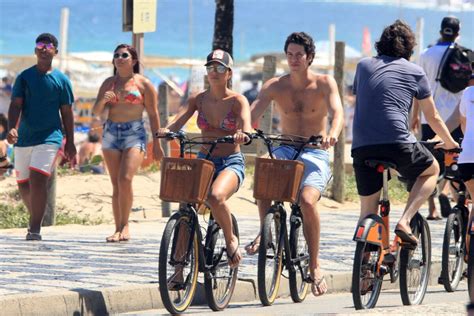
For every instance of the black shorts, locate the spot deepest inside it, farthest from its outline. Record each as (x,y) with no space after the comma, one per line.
(411,161)
(467,171)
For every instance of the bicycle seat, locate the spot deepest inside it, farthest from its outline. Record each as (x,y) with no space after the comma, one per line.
(374,163)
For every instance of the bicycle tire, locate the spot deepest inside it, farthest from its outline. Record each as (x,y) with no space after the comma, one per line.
(415,264)
(470,267)
(452,257)
(177,297)
(365,273)
(271,253)
(300,270)
(218,297)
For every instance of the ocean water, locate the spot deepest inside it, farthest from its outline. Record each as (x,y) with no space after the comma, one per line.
(259,26)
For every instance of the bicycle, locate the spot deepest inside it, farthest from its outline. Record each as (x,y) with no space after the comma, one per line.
(375,257)
(182,253)
(279,181)
(454,240)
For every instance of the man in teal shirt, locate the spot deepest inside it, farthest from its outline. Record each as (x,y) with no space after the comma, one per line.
(43,96)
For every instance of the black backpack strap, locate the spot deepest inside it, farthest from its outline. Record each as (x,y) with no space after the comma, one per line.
(443,60)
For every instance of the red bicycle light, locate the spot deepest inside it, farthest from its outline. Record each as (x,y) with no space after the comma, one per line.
(360,231)
(380,168)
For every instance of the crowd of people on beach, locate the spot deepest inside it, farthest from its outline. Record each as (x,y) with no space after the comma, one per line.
(40,125)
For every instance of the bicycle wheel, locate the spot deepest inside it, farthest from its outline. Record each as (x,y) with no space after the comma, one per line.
(270,256)
(219,281)
(178,264)
(452,259)
(415,264)
(366,280)
(470,268)
(300,257)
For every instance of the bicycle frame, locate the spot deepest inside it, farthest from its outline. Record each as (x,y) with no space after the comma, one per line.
(373,229)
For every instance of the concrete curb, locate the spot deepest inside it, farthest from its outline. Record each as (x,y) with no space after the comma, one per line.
(144,297)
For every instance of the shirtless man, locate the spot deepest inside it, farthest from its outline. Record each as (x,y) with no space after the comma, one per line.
(304,101)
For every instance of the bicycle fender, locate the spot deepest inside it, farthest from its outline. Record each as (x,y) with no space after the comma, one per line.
(370,230)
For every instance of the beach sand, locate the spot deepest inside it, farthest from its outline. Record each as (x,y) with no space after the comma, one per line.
(90,195)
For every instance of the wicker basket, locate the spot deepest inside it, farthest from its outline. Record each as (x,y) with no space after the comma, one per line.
(185,180)
(277,180)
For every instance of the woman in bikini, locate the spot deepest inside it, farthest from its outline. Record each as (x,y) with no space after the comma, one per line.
(221,112)
(126,95)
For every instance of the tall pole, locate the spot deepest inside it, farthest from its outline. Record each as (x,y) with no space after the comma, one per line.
(139,44)
(63,28)
(338,166)
(265,123)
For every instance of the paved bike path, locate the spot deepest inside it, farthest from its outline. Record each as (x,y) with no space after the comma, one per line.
(75,268)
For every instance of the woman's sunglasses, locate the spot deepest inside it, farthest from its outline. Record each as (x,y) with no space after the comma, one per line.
(41,45)
(217,68)
(122,55)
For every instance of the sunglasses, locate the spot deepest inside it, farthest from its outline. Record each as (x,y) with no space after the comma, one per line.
(122,55)
(41,45)
(217,68)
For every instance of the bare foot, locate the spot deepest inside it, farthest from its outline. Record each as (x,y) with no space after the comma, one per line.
(233,253)
(318,285)
(253,246)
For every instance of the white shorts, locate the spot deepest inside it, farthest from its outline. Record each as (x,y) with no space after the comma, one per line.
(40,158)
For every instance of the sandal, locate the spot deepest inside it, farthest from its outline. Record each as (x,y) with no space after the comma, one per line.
(406,237)
(253,247)
(33,236)
(113,238)
(124,237)
(231,257)
(315,286)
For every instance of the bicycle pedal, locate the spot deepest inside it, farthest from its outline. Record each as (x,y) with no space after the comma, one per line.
(383,269)
(389,259)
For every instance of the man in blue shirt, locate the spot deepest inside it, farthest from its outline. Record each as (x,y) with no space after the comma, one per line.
(43,97)
(385,87)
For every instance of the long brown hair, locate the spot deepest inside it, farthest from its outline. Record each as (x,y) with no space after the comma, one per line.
(133,53)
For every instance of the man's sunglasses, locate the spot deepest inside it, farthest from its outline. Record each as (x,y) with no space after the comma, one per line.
(41,45)
(122,55)
(218,68)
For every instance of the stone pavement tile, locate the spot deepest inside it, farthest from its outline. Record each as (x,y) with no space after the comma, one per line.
(74,256)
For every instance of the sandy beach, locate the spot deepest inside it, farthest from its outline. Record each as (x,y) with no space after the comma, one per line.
(90,195)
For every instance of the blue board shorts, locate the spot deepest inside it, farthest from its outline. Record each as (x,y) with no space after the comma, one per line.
(317,170)
(234,162)
(123,135)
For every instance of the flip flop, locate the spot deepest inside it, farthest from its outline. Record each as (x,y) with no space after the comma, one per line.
(33,236)
(230,257)
(113,238)
(433,218)
(315,284)
(406,237)
(252,247)
(124,237)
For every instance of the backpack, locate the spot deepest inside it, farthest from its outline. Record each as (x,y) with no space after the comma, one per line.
(455,68)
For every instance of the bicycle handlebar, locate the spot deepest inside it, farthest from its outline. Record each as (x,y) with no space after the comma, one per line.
(269,139)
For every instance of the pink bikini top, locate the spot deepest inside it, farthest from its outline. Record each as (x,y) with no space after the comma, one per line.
(229,123)
(130,94)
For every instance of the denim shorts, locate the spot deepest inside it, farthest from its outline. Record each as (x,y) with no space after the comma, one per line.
(317,170)
(234,162)
(124,135)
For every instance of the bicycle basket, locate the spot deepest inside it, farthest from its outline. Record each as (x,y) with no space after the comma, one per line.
(277,180)
(185,179)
